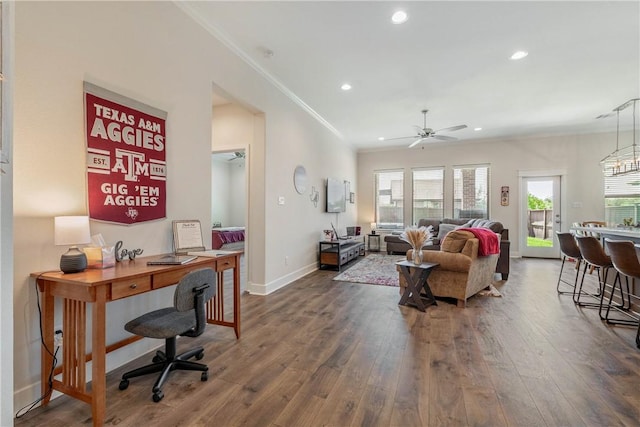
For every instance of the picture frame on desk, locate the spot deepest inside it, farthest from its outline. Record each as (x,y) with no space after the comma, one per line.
(187,236)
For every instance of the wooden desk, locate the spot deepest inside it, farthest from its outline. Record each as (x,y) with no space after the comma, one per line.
(98,287)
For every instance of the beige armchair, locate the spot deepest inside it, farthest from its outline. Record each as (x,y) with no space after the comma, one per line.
(461,272)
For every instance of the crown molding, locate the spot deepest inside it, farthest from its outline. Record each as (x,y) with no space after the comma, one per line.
(229,44)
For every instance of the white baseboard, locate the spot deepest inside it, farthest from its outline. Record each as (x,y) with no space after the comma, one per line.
(281,282)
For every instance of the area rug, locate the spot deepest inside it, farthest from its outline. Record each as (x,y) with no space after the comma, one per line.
(374,269)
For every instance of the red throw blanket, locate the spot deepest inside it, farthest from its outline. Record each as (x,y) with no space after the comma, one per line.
(489,242)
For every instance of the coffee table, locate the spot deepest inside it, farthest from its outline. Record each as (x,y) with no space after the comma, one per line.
(416,277)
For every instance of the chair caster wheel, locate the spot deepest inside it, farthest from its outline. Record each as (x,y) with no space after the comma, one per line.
(123,384)
(200,355)
(156,359)
(157,396)
(204,376)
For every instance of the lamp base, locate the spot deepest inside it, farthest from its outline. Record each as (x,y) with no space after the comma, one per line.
(73,261)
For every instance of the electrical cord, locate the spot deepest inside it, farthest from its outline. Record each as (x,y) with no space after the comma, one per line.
(27,408)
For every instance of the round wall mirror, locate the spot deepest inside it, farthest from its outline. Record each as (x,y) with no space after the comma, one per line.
(300,179)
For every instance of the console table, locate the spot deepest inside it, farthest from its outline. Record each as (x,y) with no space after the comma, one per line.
(335,253)
(98,287)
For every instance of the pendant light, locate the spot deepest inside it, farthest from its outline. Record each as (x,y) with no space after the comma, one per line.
(623,161)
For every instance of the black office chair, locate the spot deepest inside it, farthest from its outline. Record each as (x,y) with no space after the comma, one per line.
(186,318)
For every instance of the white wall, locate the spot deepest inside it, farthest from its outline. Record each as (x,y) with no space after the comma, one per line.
(578,155)
(232,130)
(228,192)
(220,190)
(159,57)
(237,199)
(6,222)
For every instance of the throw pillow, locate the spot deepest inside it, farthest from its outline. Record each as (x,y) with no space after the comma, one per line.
(455,241)
(445,229)
(471,223)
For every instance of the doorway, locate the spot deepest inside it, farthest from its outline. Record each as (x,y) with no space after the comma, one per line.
(228,189)
(229,204)
(541,216)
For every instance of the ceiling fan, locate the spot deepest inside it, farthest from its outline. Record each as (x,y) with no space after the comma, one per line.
(425,132)
(238,155)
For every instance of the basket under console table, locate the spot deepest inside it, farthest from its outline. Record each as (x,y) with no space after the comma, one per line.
(336,253)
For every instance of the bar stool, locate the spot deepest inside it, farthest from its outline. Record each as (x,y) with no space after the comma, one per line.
(569,249)
(595,258)
(595,225)
(625,261)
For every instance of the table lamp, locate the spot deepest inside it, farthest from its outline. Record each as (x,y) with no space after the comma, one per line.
(373,228)
(72,230)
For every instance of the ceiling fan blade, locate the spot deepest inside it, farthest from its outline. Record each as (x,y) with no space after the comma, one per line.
(452,128)
(416,142)
(401,137)
(444,138)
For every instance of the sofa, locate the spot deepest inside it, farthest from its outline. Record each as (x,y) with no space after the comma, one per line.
(461,272)
(443,226)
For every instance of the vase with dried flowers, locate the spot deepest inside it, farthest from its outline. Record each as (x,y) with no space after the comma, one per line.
(416,237)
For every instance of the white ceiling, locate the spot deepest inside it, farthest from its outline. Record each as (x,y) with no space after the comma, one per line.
(450,57)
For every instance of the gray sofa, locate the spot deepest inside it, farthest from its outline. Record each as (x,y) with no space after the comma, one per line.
(442,226)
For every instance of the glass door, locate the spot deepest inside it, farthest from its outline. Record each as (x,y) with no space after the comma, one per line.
(540,207)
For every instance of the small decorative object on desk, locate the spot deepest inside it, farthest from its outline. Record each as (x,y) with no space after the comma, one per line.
(416,237)
(121,254)
(99,254)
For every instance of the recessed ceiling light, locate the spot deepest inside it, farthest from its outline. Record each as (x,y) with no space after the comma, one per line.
(345,86)
(519,55)
(477,129)
(381,138)
(399,17)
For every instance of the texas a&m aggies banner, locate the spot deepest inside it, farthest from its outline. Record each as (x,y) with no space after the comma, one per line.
(126,158)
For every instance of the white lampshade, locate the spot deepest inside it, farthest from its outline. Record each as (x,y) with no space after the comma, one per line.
(72,230)
(373,225)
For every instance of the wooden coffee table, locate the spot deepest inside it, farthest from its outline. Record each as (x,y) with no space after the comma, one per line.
(416,277)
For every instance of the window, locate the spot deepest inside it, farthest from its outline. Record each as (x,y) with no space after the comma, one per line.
(428,194)
(621,198)
(471,191)
(389,199)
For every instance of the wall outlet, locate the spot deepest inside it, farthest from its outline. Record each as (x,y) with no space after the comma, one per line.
(286,260)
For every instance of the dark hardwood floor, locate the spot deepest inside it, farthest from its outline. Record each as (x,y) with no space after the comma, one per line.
(327,353)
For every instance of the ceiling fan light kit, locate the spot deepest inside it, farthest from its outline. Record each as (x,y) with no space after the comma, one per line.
(623,161)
